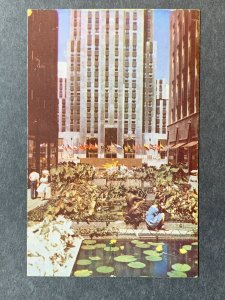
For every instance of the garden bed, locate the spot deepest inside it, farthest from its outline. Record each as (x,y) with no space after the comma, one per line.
(77,198)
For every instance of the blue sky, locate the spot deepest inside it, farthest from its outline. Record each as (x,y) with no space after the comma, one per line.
(64,33)
(161,36)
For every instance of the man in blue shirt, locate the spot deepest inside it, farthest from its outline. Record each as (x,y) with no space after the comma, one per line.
(154,219)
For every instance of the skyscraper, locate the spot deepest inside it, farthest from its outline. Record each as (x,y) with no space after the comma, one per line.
(111,84)
(184,87)
(62,85)
(162,107)
(42,89)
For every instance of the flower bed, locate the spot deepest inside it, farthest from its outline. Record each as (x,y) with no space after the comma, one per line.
(76,197)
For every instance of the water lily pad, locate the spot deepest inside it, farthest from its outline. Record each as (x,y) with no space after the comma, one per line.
(88,247)
(83,273)
(125,258)
(137,242)
(136,265)
(112,249)
(98,246)
(153,258)
(181,267)
(151,252)
(89,242)
(143,246)
(187,247)
(94,257)
(177,274)
(83,262)
(105,269)
(194,244)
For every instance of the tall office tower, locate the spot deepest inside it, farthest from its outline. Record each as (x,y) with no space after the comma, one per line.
(62,85)
(110,76)
(42,89)
(184,86)
(162,107)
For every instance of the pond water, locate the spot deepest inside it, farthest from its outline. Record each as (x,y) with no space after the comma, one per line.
(137,258)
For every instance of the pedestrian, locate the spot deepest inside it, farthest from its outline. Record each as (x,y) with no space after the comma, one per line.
(193,180)
(34,182)
(43,186)
(154,219)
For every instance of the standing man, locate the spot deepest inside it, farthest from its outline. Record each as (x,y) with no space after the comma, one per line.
(34,182)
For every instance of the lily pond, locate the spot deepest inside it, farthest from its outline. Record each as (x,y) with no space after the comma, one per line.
(137,258)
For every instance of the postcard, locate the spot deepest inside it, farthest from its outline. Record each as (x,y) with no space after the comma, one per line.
(113,130)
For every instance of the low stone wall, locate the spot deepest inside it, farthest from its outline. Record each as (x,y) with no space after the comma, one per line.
(130,182)
(99,182)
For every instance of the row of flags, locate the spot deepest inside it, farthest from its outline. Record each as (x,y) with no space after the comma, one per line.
(81,147)
(112,148)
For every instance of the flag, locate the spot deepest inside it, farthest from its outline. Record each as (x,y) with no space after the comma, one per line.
(82,147)
(156,147)
(146,147)
(118,147)
(151,147)
(69,147)
(112,148)
(75,147)
(161,146)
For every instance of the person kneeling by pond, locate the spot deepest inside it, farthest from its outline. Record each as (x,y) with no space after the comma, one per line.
(154,219)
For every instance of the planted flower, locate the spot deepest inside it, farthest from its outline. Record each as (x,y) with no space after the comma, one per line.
(159,248)
(182,251)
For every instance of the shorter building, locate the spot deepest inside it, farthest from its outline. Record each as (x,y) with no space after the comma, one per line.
(184,88)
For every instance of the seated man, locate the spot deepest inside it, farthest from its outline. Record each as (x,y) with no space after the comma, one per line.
(154,219)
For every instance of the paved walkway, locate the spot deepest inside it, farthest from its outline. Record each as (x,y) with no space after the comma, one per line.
(172,230)
(33,203)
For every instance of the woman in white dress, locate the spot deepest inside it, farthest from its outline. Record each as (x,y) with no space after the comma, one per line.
(43,186)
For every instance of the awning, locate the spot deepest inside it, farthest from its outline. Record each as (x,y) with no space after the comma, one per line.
(191,144)
(178,146)
(166,148)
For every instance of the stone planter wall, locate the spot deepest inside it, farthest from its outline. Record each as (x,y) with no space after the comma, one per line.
(133,183)
(99,182)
